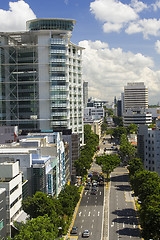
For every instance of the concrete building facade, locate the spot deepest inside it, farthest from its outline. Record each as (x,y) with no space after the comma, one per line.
(148,146)
(11,180)
(135,96)
(3,213)
(41,77)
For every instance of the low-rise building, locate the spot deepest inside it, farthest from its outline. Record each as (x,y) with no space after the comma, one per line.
(11,180)
(3,213)
(137,117)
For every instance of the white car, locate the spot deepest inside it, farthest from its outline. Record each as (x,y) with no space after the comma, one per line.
(85,233)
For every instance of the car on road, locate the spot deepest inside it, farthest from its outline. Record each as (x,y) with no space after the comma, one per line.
(74,230)
(93,192)
(85,233)
(87,187)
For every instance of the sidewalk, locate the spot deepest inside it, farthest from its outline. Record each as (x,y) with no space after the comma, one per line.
(105,221)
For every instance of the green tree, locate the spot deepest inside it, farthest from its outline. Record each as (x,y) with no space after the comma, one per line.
(108,163)
(118,121)
(40,228)
(150,217)
(145,183)
(118,131)
(132,128)
(135,165)
(41,204)
(104,127)
(69,198)
(127,151)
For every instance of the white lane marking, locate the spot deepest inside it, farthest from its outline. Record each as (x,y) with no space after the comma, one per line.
(89,214)
(123,225)
(98,214)
(80,214)
(99,193)
(87,201)
(81,226)
(112,224)
(93,220)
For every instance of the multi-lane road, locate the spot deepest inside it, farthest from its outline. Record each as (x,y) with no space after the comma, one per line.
(121,218)
(90,214)
(123,221)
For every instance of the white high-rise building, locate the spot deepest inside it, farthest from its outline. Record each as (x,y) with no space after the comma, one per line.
(41,77)
(135,96)
(135,104)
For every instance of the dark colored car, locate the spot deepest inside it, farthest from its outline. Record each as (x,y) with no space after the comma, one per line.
(74,230)
(87,187)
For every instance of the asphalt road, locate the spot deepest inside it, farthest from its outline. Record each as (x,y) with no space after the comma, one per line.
(123,222)
(90,214)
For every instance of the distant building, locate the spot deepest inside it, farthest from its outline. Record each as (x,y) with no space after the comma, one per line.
(95,126)
(135,96)
(136,117)
(119,108)
(93,102)
(8,134)
(135,104)
(85,93)
(93,113)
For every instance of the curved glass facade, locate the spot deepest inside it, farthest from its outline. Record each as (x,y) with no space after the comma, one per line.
(51,24)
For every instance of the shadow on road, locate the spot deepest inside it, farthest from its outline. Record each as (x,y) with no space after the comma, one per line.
(132,232)
(120,178)
(125,188)
(127,217)
(127,212)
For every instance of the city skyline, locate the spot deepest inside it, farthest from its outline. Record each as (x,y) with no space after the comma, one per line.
(121,39)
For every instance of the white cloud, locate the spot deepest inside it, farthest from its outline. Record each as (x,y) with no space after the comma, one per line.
(156,5)
(108,70)
(112,12)
(116,16)
(157,46)
(146,26)
(138,6)
(15,18)
(112,27)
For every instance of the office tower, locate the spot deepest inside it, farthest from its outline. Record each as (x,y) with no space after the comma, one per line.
(135,104)
(135,96)
(41,77)
(85,93)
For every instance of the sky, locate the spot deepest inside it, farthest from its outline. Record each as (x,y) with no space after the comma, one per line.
(121,39)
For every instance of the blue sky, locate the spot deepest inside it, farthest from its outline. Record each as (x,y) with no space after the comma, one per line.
(121,39)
